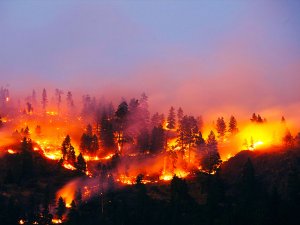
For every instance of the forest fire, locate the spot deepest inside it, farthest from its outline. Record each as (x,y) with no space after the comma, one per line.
(122,149)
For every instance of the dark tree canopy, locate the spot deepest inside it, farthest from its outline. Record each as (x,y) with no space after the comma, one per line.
(171,120)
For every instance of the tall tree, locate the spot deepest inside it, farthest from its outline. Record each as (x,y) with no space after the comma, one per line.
(171,120)
(157,139)
(70,101)
(71,157)
(157,120)
(66,147)
(121,123)
(80,164)
(143,140)
(211,160)
(144,110)
(179,115)
(221,127)
(288,139)
(44,99)
(61,208)
(107,132)
(58,94)
(188,130)
(232,126)
(33,98)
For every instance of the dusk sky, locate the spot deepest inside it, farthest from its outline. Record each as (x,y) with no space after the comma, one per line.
(201,55)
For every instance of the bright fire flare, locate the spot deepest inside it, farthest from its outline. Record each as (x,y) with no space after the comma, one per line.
(10,151)
(56,221)
(69,166)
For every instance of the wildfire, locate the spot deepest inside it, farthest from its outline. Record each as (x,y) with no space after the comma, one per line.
(109,156)
(67,193)
(126,180)
(91,158)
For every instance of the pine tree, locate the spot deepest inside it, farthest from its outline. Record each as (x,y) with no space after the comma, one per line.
(144,110)
(288,139)
(70,101)
(143,140)
(71,157)
(254,118)
(171,120)
(107,132)
(58,94)
(73,214)
(44,99)
(211,159)
(61,208)
(221,127)
(66,146)
(80,164)
(157,139)
(179,115)
(232,127)
(188,130)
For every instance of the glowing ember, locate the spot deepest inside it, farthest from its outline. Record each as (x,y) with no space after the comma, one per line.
(52,113)
(56,221)
(126,180)
(21,222)
(10,151)
(166,177)
(108,157)
(69,166)
(169,176)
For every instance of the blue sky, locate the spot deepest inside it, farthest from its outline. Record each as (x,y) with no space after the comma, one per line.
(178,52)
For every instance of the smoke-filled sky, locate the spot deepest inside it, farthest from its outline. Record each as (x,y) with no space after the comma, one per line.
(202,55)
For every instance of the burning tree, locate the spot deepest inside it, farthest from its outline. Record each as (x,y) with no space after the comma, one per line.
(187,132)
(106,132)
(232,126)
(221,127)
(80,164)
(66,147)
(211,159)
(171,120)
(157,139)
(89,141)
(121,122)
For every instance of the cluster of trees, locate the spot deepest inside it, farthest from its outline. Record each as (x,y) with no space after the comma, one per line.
(257,118)
(69,156)
(89,141)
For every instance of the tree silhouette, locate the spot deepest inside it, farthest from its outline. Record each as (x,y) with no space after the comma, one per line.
(221,127)
(232,127)
(66,147)
(80,164)
(157,139)
(171,120)
(44,99)
(211,159)
(61,208)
